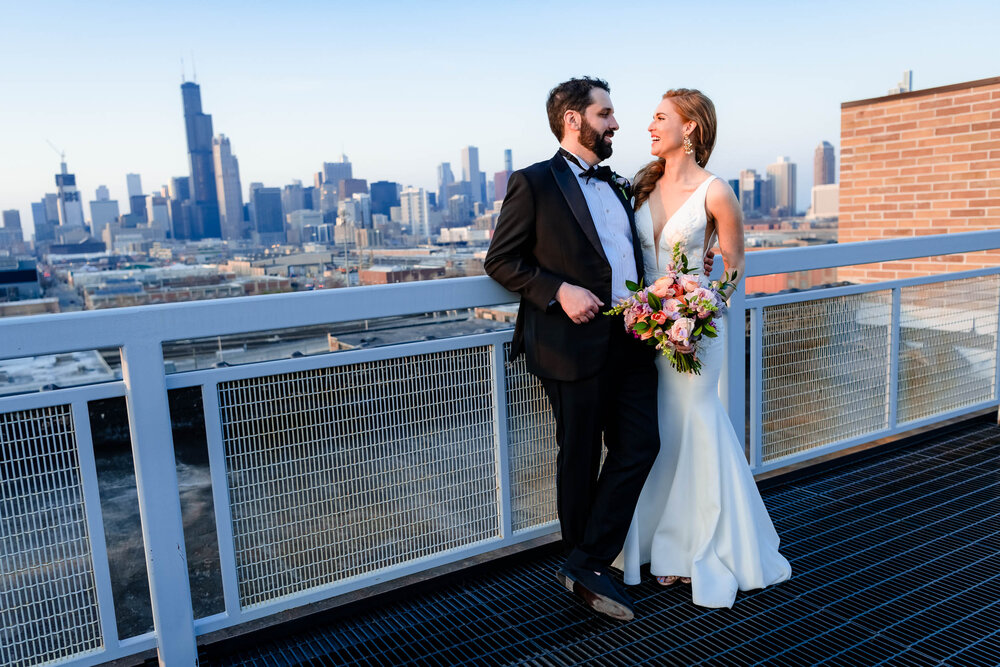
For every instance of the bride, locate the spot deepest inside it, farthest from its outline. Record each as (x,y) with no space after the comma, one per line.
(700,518)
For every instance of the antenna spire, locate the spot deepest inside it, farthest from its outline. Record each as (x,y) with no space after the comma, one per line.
(183,77)
(194,69)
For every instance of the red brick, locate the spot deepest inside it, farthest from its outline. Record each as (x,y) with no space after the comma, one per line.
(972,97)
(935,103)
(951,110)
(953,129)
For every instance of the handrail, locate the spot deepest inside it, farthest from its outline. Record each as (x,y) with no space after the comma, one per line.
(786,260)
(110,328)
(21,337)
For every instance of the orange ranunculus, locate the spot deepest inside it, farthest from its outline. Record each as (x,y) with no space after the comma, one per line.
(659,317)
(661,288)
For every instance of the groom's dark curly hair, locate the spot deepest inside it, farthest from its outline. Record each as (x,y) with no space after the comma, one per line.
(572,95)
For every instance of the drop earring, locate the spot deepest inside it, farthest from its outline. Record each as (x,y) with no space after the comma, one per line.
(687,145)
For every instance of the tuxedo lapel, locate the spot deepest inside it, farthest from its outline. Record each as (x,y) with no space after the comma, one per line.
(570,188)
(636,246)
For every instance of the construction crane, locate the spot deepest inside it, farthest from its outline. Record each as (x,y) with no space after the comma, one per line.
(62,154)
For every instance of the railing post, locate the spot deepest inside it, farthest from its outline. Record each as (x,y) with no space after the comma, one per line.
(756,388)
(734,375)
(159,502)
(996,368)
(895,325)
(502,440)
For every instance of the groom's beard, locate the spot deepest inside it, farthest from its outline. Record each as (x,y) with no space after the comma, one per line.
(590,139)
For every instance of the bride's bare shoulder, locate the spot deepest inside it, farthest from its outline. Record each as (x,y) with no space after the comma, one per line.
(720,196)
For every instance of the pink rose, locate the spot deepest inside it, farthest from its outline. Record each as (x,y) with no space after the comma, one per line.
(672,308)
(704,294)
(680,331)
(661,287)
(689,282)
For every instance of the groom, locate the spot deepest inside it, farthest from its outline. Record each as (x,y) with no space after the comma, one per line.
(566,242)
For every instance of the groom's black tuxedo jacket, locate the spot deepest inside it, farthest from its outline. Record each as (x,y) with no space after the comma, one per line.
(546,236)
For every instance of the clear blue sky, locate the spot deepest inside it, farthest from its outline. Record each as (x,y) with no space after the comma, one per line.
(403,86)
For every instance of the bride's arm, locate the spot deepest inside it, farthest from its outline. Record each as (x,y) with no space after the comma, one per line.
(725,209)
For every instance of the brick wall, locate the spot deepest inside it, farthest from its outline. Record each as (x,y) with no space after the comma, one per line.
(925,162)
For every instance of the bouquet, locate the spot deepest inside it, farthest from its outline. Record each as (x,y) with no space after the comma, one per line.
(679,309)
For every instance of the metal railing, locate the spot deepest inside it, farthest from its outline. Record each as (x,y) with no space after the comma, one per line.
(334,472)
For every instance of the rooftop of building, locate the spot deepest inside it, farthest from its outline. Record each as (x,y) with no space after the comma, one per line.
(894,557)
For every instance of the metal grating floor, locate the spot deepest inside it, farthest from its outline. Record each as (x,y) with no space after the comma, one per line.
(896,561)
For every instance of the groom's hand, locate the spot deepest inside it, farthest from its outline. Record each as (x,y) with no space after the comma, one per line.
(708,262)
(579,303)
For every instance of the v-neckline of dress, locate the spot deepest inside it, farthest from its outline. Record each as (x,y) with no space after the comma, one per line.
(658,236)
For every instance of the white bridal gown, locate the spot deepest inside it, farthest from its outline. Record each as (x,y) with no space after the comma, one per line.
(700,514)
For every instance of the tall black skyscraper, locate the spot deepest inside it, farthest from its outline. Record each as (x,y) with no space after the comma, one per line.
(205,208)
(385,195)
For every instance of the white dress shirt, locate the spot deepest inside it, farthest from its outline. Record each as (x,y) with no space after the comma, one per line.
(611,222)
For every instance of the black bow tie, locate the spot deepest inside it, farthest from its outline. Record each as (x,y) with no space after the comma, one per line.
(602,173)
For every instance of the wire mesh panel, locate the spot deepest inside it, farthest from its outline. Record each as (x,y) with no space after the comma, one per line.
(825,371)
(531,447)
(948,346)
(340,472)
(48,598)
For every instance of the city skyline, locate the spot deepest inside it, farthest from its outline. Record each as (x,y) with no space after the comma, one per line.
(399,117)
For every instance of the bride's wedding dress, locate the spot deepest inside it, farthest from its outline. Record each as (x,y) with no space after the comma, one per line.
(700,514)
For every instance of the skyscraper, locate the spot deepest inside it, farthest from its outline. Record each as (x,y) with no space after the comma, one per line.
(134,184)
(293,198)
(227,185)
(823,165)
(508,160)
(385,195)
(348,187)
(415,211)
(136,200)
(268,220)
(43,228)
(103,211)
(500,184)
(754,193)
(445,178)
(70,206)
(335,172)
(12,219)
(158,213)
(198,127)
(905,84)
(783,181)
(470,172)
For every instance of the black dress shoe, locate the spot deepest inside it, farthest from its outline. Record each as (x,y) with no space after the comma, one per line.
(598,591)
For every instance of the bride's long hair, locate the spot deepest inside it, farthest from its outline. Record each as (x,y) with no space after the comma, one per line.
(691,105)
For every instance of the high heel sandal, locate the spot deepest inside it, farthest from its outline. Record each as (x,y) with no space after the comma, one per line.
(672,579)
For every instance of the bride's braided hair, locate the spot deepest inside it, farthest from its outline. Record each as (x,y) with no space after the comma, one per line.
(691,105)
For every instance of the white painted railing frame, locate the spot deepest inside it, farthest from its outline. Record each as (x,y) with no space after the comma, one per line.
(769,262)
(140,332)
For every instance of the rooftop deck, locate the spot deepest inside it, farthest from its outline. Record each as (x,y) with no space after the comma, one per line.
(895,559)
(321,478)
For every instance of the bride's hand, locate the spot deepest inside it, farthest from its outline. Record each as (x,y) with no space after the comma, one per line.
(684,349)
(708,262)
